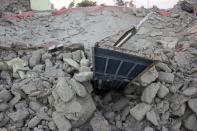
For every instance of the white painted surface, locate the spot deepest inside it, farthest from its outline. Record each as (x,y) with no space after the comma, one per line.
(164,4)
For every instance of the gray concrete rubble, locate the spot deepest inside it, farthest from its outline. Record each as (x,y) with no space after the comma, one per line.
(150,92)
(54,90)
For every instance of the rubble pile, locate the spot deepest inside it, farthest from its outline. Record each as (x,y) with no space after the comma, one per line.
(45,91)
(42,90)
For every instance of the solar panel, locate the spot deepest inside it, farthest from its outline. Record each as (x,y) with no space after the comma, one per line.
(114,69)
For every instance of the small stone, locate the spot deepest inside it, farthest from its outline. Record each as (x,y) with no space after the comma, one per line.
(166,77)
(19,115)
(72,63)
(151,116)
(84,69)
(98,123)
(3,129)
(3,106)
(83,76)
(149,76)
(150,92)
(76,55)
(148,129)
(168,42)
(64,90)
(3,66)
(163,91)
(109,115)
(180,111)
(164,67)
(5,95)
(181,60)
(190,91)
(175,124)
(164,129)
(35,106)
(61,122)
(35,58)
(4,119)
(46,56)
(120,104)
(79,88)
(38,68)
(139,111)
(193,105)
(191,123)
(51,125)
(84,62)
(34,122)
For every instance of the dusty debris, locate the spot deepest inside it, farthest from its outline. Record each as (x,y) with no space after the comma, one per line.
(193,105)
(61,122)
(166,77)
(139,111)
(151,116)
(150,92)
(149,76)
(43,89)
(98,123)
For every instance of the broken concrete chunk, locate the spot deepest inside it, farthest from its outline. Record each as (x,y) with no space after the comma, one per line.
(180,111)
(4,119)
(34,122)
(5,95)
(3,129)
(181,60)
(176,101)
(38,68)
(151,116)
(79,88)
(64,90)
(139,111)
(76,55)
(175,124)
(166,77)
(191,123)
(98,123)
(83,76)
(150,92)
(17,64)
(163,91)
(120,104)
(35,58)
(72,63)
(61,122)
(168,42)
(164,67)
(35,106)
(148,129)
(190,91)
(46,56)
(84,69)
(84,62)
(193,105)
(3,106)
(149,76)
(51,125)
(19,115)
(79,109)
(164,129)
(3,66)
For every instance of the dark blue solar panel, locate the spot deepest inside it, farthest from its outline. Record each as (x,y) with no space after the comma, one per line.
(114,70)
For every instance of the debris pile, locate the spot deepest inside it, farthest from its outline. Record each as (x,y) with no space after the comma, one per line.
(41,87)
(45,90)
